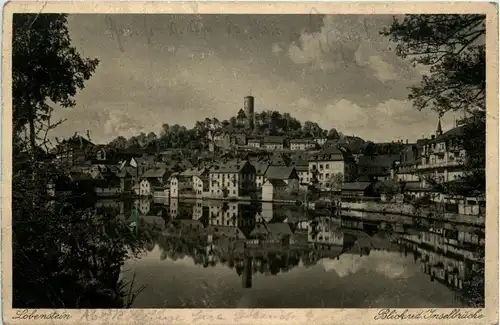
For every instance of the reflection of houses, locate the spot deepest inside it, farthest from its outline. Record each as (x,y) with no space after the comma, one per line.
(174,208)
(449,256)
(325,231)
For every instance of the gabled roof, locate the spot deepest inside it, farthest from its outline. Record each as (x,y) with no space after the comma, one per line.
(276,182)
(279,228)
(154,173)
(355,186)
(335,155)
(453,133)
(193,172)
(279,172)
(310,141)
(274,139)
(234,166)
(385,161)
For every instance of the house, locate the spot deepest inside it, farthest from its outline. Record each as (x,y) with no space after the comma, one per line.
(60,186)
(254,142)
(406,168)
(201,185)
(260,172)
(274,189)
(329,167)
(180,184)
(362,189)
(273,143)
(443,156)
(287,174)
(128,177)
(153,181)
(151,187)
(235,178)
(321,141)
(196,175)
(302,144)
(377,167)
(74,151)
(107,186)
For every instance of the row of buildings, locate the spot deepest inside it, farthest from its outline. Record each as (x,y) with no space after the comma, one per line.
(287,175)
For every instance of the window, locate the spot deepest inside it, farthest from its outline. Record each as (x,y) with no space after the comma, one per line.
(234,192)
(321,167)
(327,166)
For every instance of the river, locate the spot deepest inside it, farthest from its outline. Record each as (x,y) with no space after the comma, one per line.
(241,255)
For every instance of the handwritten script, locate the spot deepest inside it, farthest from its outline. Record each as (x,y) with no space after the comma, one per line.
(395,314)
(26,314)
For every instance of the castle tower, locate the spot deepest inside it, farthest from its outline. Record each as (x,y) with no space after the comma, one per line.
(249,111)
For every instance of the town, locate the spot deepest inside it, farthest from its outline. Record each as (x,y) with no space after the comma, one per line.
(334,170)
(248,161)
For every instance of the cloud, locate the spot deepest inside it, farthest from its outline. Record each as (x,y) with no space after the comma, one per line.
(350,42)
(276,49)
(120,123)
(387,264)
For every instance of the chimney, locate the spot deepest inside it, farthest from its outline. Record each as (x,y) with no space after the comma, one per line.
(406,141)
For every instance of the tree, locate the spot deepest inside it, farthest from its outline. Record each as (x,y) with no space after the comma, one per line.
(44,41)
(119,143)
(65,255)
(333,134)
(453,47)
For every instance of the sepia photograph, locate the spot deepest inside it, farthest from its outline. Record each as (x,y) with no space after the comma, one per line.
(230,160)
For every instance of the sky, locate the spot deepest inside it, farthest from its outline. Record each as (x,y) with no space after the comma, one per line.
(336,70)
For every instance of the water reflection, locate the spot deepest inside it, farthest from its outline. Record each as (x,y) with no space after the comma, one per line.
(255,240)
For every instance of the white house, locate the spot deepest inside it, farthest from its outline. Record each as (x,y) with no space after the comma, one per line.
(147,187)
(179,184)
(325,166)
(443,156)
(273,189)
(302,144)
(232,179)
(273,142)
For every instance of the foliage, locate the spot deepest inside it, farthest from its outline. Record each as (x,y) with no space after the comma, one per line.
(64,254)
(453,47)
(44,66)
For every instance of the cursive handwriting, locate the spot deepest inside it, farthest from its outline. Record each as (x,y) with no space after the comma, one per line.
(263,315)
(394,314)
(35,314)
(204,316)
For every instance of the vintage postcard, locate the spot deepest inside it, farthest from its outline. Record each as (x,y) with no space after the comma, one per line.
(224,163)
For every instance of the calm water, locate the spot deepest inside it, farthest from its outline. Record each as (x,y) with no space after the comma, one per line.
(223,255)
